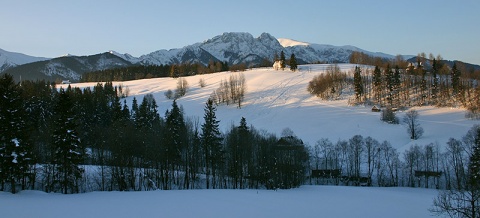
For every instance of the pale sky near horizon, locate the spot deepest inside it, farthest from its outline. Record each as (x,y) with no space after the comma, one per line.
(51,28)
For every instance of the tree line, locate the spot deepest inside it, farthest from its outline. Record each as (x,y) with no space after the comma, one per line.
(394,87)
(137,72)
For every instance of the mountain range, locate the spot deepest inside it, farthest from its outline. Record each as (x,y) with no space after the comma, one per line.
(230,47)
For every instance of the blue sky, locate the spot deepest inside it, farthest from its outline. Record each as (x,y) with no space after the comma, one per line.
(51,28)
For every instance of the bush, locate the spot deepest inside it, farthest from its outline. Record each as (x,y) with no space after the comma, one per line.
(169,94)
(182,86)
(388,116)
(201,83)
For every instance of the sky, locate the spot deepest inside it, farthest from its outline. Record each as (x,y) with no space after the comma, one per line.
(51,28)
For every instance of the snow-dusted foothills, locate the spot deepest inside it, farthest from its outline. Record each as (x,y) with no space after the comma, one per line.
(275,100)
(305,202)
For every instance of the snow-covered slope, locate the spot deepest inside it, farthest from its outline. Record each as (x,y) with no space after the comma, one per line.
(12,59)
(290,42)
(126,56)
(305,202)
(279,99)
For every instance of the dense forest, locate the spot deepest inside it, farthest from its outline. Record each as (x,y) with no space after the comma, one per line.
(72,140)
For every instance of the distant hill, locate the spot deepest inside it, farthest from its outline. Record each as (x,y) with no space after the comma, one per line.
(13,59)
(67,67)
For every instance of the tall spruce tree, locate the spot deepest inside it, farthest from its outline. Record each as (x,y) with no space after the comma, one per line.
(358,83)
(68,151)
(455,77)
(293,63)
(474,166)
(15,150)
(435,81)
(174,142)
(212,143)
(282,60)
(377,83)
(390,81)
(396,85)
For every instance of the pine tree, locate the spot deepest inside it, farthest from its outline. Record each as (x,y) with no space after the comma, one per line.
(455,77)
(474,166)
(389,77)
(134,110)
(435,81)
(15,150)
(282,60)
(174,140)
(275,57)
(68,151)
(358,83)
(396,85)
(293,63)
(377,83)
(174,71)
(211,141)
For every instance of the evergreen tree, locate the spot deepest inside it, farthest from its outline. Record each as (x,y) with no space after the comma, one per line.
(134,110)
(377,83)
(15,150)
(212,142)
(282,60)
(474,166)
(396,85)
(389,77)
(174,71)
(68,151)
(293,63)
(358,83)
(435,81)
(455,77)
(174,141)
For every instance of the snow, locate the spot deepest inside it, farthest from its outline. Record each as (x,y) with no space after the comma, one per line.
(306,201)
(16,142)
(11,59)
(275,100)
(290,42)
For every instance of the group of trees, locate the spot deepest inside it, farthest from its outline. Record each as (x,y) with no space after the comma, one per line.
(157,71)
(72,140)
(401,88)
(231,90)
(283,62)
(328,85)
(380,164)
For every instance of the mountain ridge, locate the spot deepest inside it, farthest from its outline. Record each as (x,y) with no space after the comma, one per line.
(230,47)
(10,59)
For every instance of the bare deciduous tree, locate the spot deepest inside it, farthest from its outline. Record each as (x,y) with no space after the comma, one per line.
(415,131)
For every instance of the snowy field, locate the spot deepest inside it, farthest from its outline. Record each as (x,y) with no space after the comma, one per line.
(276,100)
(304,202)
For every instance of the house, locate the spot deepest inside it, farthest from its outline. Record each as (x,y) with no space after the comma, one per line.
(376,108)
(66,82)
(277,65)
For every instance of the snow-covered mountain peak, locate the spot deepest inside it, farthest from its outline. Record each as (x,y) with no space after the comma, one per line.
(12,59)
(290,42)
(125,56)
(66,55)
